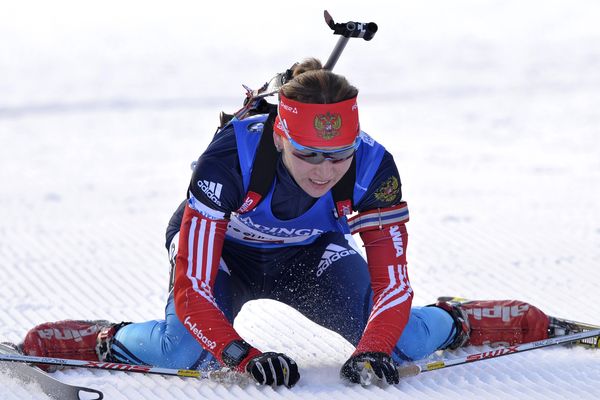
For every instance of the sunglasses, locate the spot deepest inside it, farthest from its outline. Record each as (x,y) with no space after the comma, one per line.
(317,156)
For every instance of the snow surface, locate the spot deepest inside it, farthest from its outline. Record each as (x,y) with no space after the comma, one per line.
(491,109)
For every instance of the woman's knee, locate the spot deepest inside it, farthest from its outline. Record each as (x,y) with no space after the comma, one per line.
(427,330)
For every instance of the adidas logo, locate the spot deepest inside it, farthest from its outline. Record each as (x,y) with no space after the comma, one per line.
(212,190)
(332,253)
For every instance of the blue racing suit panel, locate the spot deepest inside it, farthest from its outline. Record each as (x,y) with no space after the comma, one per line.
(216,181)
(385,187)
(248,133)
(368,159)
(261,227)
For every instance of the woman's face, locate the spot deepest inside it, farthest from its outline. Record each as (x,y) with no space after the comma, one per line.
(314,179)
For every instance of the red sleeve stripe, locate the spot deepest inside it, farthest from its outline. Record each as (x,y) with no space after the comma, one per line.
(196,257)
(397,292)
(209,251)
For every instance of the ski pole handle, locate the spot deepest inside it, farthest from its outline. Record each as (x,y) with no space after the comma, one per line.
(347,30)
(365,30)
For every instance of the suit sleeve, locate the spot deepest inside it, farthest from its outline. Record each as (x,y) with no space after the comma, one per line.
(392,293)
(381,223)
(200,245)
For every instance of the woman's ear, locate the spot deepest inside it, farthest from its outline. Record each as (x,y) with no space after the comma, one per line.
(278,140)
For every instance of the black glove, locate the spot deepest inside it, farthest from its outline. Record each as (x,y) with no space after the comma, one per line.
(370,367)
(274,369)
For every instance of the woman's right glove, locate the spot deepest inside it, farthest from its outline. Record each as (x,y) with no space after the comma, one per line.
(370,367)
(273,369)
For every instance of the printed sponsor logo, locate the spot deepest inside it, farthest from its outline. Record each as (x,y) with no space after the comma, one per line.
(434,365)
(327,125)
(397,239)
(173,249)
(344,207)
(288,108)
(542,343)
(198,333)
(503,312)
(388,191)
(247,204)
(68,334)
(367,139)
(279,231)
(282,125)
(332,253)
(117,366)
(255,127)
(493,353)
(205,210)
(212,190)
(189,373)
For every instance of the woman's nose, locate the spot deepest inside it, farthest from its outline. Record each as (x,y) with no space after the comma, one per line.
(325,170)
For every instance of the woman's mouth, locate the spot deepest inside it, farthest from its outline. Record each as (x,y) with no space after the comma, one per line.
(318,182)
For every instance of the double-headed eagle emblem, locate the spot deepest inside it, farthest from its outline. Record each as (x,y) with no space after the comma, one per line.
(328,125)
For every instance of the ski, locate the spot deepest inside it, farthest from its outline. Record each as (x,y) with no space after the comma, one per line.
(223,376)
(415,369)
(49,385)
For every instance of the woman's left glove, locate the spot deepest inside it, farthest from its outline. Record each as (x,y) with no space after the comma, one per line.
(370,367)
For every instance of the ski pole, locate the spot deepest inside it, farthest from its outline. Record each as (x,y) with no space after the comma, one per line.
(416,369)
(347,30)
(224,376)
